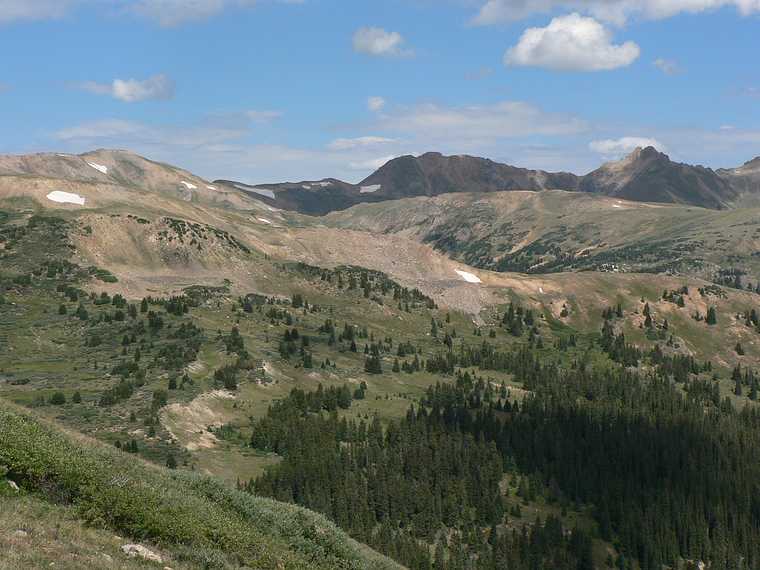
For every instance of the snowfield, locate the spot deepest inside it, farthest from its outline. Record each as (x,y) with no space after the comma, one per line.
(211,187)
(66,198)
(370,189)
(98,167)
(259,191)
(189,186)
(264,221)
(315,185)
(469,277)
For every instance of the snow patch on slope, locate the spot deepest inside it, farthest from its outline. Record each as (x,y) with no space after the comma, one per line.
(98,167)
(469,277)
(259,191)
(370,189)
(66,198)
(189,186)
(315,185)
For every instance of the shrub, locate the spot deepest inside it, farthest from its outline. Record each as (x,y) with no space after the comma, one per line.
(58,399)
(195,515)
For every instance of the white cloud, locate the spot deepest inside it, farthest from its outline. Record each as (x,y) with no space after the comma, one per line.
(379,42)
(507,119)
(375,104)
(263,116)
(478,74)
(667,66)
(170,13)
(12,10)
(165,12)
(107,128)
(360,142)
(158,87)
(617,11)
(571,43)
(614,148)
(218,147)
(117,133)
(371,164)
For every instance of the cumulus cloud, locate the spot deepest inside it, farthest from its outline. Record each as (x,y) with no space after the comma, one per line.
(667,66)
(615,148)
(375,104)
(617,11)
(571,43)
(156,88)
(381,43)
(359,142)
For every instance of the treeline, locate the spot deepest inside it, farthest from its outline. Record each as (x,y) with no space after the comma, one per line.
(418,485)
(374,285)
(671,477)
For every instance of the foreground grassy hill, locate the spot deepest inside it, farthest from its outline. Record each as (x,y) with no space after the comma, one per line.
(194,520)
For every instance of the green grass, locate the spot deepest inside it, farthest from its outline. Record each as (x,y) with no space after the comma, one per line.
(200,519)
(53,536)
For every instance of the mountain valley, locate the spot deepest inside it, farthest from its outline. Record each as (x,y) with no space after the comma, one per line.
(413,369)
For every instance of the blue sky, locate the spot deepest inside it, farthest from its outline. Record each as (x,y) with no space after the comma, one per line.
(303,89)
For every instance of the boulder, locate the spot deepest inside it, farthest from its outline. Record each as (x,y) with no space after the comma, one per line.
(137,550)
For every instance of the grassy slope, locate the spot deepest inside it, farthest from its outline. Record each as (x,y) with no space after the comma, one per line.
(526,227)
(53,535)
(193,518)
(43,342)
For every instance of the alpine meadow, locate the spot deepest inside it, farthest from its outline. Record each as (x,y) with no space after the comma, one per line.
(311,284)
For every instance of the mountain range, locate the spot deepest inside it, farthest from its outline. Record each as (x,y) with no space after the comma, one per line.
(150,317)
(646,175)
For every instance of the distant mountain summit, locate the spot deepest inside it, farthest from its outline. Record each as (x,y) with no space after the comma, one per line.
(647,175)
(745,178)
(432,174)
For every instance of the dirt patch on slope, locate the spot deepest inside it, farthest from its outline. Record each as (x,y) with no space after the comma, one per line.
(189,423)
